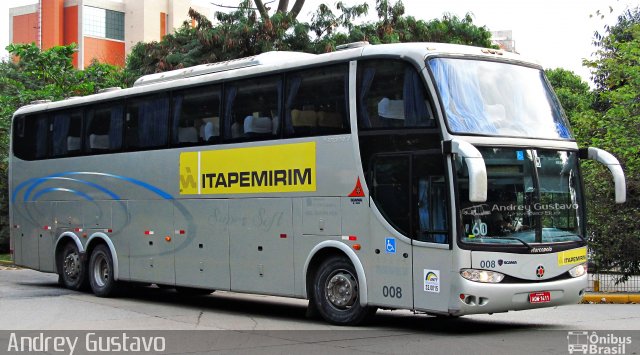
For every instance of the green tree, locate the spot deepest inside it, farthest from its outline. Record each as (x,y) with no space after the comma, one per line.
(614,124)
(244,32)
(283,6)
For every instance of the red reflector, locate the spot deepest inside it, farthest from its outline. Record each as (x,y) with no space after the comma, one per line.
(148,232)
(283,236)
(353,237)
(462,296)
(78,229)
(47,228)
(181,232)
(109,230)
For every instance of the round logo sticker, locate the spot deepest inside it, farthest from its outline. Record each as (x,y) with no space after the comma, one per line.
(540,271)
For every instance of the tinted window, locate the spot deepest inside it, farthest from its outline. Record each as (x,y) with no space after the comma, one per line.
(31,137)
(104,128)
(391,94)
(392,190)
(147,122)
(251,109)
(316,101)
(196,116)
(66,133)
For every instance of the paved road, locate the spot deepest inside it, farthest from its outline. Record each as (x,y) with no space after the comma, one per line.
(234,323)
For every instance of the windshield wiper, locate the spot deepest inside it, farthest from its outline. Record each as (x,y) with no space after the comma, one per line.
(512,238)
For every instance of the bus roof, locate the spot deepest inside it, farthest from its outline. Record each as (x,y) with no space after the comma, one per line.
(272,62)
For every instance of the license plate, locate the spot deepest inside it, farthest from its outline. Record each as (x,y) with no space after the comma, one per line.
(540,297)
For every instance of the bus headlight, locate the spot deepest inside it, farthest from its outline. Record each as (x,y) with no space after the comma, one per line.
(481,275)
(578,270)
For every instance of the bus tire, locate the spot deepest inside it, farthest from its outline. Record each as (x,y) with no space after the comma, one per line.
(101,276)
(73,272)
(336,293)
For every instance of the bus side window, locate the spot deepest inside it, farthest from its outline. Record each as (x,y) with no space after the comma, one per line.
(315,102)
(196,116)
(390,95)
(431,199)
(104,128)
(252,110)
(392,190)
(31,137)
(67,133)
(146,122)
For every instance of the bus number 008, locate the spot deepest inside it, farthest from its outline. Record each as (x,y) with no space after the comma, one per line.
(487,264)
(392,291)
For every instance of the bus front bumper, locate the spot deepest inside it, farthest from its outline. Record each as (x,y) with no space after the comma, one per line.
(476,297)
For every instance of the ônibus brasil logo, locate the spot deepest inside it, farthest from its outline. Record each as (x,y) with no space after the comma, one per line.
(594,343)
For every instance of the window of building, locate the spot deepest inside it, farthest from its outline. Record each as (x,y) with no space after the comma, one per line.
(196,116)
(103,23)
(316,101)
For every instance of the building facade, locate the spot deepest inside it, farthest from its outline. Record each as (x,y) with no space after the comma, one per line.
(104,30)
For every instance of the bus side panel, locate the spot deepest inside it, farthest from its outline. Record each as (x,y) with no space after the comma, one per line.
(120,220)
(151,252)
(389,269)
(261,245)
(36,242)
(432,277)
(202,243)
(18,224)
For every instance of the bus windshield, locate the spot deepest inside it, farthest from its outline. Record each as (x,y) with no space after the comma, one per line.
(497,99)
(533,196)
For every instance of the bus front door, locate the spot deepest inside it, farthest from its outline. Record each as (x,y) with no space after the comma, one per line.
(432,257)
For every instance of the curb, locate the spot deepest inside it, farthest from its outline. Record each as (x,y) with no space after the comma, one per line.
(618,298)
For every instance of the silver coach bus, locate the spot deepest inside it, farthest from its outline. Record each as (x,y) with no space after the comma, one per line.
(437,178)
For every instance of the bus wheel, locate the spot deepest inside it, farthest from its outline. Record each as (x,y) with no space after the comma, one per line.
(72,269)
(101,275)
(336,293)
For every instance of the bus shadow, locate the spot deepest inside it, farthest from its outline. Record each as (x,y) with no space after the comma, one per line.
(285,310)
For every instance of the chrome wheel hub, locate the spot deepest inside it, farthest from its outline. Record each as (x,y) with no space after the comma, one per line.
(101,271)
(342,289)
(71,265)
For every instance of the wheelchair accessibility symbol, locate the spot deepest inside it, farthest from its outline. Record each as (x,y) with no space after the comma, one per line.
(390,245)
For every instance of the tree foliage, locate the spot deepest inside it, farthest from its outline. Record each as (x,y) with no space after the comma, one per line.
(246,32)
(609,118)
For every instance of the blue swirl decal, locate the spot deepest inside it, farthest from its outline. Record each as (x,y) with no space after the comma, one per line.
(54,189)
(34,183)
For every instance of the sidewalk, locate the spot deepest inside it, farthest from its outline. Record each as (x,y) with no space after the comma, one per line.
(618,297)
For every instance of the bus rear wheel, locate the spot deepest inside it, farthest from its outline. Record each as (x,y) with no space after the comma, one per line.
(101,274)
(336,293)
(71,268)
